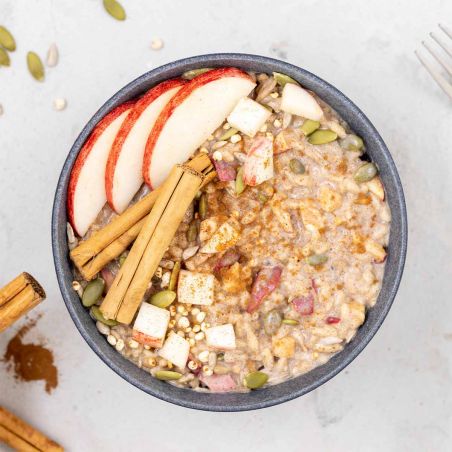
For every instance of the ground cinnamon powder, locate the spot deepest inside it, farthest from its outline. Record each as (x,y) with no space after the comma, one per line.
(31,362)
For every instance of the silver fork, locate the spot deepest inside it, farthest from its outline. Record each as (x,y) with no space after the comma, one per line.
(442,39)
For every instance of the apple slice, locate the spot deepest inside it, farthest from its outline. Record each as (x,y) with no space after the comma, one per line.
(86,190)
(123,175)
(190,117)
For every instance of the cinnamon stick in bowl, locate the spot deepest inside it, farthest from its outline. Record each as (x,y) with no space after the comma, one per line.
(176,194)
(18,297)
(106,244)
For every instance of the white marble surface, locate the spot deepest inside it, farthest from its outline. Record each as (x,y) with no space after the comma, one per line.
(396,396)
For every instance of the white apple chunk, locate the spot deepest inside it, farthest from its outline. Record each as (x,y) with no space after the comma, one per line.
(248,116)
(195,287)
(223,238)
(150,325)
(175,350)
(221,337)
(297,101)
(258,166)
(190,117)
(123,176)
(86,189)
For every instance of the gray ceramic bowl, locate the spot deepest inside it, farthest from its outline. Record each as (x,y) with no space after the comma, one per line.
(291,389)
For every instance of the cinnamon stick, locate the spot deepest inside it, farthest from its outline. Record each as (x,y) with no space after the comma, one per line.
(18,297)
(159,227)
(108,243)
(22,436)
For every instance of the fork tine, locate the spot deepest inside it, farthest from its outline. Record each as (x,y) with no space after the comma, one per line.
(442,82)
(446,30)
(447,66)
(442,44)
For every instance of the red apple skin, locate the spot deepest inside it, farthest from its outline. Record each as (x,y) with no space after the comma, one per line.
(179,97)
(126,127)
(84,153)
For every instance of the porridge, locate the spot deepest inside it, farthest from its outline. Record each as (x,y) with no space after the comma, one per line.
(274,262)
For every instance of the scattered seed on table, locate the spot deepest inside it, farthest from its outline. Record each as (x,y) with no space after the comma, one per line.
(59,103)
(156,44)
(52,56)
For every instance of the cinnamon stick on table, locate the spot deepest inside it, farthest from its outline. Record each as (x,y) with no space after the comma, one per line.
(18,297)
(22,436)
(176,194)
(93,254)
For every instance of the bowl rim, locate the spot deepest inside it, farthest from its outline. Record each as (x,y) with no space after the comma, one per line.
(236,401)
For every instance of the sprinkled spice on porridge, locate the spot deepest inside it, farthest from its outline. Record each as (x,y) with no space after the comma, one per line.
(269,268)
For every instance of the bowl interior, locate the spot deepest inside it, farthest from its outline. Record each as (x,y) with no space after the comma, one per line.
(288,390)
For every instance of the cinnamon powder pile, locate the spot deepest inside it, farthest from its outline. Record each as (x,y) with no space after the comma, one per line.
(31,362)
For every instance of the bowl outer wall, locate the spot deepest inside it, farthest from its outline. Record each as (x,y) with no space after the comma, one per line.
(298,386)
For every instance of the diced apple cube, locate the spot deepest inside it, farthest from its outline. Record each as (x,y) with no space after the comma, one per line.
(298,101)
(151,324)
(221,337)
(195,287)
(175,350)
(248,116)
(224,237)
(258,166)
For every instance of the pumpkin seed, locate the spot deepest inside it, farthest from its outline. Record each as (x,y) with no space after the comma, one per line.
(365,173)
(163,298)
(7,39)
(352,143)
(4,57)
(97,315)
(239,183)
(290,322)
(123,258)
(192,232)
(296,166)
(309,126)
(174,276)
(272,322)
(282,79)
(35,66)
(255,380)
(262,198)
(322,137)
(202,207)
(316,259)
(115,9)
(93,291)
(166,375)
(188,75)
(228,134)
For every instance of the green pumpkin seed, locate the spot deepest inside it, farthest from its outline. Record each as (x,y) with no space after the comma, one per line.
(202,207)
(228,134)
(272,322)
(309,126)
(35,66)
(352,143)
(166,375)
(262,198)
(96,314)
(7,39)
(4,57)
(163,298)
(282,79)
(93,291)
(365,173)
(255,380)
(322,137)
(192,233)
(296,166)
(115,9)
(290,322)
(188,75)
(174,276)
(316,259)
(239,183)
(123,258)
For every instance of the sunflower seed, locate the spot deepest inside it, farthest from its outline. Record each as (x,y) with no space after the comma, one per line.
(52,56)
